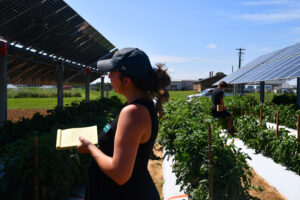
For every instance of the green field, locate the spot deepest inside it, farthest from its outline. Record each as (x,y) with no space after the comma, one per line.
(268,95)
(49,103)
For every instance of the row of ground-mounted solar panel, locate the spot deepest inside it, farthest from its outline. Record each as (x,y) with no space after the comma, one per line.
(53,27)
(280,64)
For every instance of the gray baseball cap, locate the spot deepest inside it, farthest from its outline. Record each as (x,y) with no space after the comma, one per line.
(130,61)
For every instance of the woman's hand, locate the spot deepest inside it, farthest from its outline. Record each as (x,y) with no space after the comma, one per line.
(84,146)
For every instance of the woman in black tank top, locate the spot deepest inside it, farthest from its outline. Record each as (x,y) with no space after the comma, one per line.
(119,168)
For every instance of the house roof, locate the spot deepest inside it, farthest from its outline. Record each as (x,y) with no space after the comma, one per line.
(211,78)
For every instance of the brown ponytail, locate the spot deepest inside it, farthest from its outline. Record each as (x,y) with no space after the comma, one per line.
(156,80)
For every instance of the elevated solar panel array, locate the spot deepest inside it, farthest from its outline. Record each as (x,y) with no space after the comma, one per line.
(50,31)
(278,65)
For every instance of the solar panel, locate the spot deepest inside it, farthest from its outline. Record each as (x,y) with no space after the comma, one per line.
(282,67)
(270,68)
(52,27)
(287,69)
(47,28)
(266,71)
(288,51)
(296,73)
(230,78)
(281,64)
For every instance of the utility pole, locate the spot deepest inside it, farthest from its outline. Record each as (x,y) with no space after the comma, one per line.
(232,68)
(240,86)
(240,55)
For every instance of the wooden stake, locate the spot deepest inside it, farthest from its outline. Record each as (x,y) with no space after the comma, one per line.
(36,162)
(277,122)
(241,109)
(249,109)
(234,110)
(210,178)
(298,129)
(260,118)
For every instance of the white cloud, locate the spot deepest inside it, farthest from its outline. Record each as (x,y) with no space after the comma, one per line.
(272,17)
(259,3)
(211,46)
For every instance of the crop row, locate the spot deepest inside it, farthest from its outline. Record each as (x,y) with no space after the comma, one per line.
(184,135)
(57,171)
(282,148)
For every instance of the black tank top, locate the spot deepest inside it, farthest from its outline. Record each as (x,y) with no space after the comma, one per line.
(140,185)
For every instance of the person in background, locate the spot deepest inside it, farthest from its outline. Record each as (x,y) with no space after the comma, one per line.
(163,97)
(219,109)
(119,166)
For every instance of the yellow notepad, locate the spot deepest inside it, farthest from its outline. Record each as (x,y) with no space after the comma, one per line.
(70,137)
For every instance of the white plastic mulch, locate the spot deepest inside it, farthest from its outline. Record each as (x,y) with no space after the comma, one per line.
(286,182)
(273,126)
(171,191)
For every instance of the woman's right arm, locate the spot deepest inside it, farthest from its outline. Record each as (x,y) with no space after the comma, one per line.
(134,127)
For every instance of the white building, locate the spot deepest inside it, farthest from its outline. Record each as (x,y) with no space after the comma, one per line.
(181,84)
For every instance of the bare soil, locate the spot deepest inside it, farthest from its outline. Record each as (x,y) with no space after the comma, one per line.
(269,192)
(155,169)
(16,114)
(155,166)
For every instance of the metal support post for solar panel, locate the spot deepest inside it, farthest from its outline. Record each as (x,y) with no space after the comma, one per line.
(262,91)
(242,89)
(3,89)
(107,90)
(87,87)
(60,92)
(102,86)
(298,92)
(234,91)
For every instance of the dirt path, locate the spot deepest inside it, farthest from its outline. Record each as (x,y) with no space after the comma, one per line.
(155,166)
(268,193)
(156,171)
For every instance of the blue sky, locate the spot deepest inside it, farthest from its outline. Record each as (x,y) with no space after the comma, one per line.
(193,37)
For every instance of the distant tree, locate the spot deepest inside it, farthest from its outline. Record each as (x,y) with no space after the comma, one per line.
(220,74)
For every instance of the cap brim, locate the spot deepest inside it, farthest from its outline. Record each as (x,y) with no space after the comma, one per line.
(105,65)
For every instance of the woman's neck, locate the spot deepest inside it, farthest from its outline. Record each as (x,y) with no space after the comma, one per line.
(135,94)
